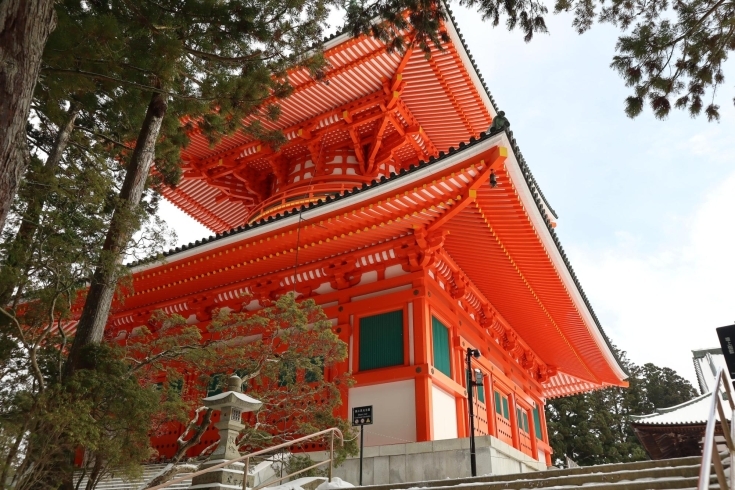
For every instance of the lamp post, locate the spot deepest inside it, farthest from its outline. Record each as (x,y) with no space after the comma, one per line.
(474,378)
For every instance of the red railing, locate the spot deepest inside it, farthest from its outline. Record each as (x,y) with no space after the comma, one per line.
(297,196)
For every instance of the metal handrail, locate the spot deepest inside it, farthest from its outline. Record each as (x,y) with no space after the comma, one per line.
(710,455)
(247,457)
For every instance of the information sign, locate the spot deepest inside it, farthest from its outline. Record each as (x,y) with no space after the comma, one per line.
(362,415)
(727,342)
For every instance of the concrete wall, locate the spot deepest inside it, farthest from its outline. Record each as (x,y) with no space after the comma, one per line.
(433,460)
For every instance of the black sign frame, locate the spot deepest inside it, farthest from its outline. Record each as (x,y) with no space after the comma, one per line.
(362,416)
(726,335)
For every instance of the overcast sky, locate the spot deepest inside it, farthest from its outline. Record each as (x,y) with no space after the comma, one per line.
(646,207)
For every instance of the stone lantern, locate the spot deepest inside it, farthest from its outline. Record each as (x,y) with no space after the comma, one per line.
(231,404)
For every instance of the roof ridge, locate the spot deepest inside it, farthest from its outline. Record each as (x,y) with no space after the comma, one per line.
(661,411)
(495,106)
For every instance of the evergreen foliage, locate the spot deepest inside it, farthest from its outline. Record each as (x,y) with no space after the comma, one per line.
(594,428)
(112,410)
(671,53)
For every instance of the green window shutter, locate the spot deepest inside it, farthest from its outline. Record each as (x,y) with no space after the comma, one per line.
(177,385)
(497,403)
(525,422)
(506,414)
(519,421)
(216,384)
(440,335)
(312,374)
(537,423)
(381,340)
(286,374)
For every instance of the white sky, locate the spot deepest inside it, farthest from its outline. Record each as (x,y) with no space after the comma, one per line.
(646,208)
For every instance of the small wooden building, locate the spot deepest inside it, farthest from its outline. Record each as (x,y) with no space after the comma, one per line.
(678,431)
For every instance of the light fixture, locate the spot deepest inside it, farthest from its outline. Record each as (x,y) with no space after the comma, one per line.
(478,377)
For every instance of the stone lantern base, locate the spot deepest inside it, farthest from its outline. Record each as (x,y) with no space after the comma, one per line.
(226,478)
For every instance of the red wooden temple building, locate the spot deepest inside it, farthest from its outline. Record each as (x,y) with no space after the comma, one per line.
(384,189)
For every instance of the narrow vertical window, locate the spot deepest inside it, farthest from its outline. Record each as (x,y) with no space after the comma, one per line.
(479,390)
(440,336)
(498,407)
(537,423)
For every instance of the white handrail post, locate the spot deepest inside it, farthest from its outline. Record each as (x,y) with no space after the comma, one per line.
(732,450)
(709,437)
(719,470)
(331,454)
(245,474)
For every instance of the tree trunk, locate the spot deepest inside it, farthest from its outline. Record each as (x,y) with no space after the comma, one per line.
(25,26)
(183,446)
(97,305)
(19,253)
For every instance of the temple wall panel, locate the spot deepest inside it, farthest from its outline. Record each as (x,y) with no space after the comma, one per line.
(415,381)
(443,416)
(394,411)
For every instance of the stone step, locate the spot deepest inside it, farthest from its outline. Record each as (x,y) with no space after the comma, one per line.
(112,482)
(674,468)
(672,483)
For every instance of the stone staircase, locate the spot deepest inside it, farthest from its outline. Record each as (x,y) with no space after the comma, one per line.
(680,473)
(644,475)
(114,482)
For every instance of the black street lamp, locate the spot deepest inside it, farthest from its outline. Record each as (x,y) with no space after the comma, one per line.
(474,378)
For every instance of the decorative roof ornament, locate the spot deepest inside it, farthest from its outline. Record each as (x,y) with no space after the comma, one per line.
(500,123)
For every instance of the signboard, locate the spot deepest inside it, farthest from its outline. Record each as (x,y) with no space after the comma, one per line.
(362,415)
(727,342)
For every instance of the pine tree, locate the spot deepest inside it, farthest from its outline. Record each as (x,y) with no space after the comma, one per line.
(594,428)
(212,63)
(113,410)
(24,29)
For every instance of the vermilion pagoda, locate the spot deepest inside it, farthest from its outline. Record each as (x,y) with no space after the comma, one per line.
(379,207)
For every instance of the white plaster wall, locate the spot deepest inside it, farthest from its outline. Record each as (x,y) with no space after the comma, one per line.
(443,415)
(394,410)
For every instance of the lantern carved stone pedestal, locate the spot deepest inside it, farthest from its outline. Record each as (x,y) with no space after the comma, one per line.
(232,404)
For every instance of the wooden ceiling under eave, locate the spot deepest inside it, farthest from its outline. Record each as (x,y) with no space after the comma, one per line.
(498,247)
(440,93)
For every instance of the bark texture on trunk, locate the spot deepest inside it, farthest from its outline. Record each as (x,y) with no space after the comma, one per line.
(25,26)
(183,446)
(97,305)
(17,260)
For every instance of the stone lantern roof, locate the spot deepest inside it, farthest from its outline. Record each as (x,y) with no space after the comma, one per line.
(233,398)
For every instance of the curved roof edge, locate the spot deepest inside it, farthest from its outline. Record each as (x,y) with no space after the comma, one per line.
(456,35)
(211,241)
